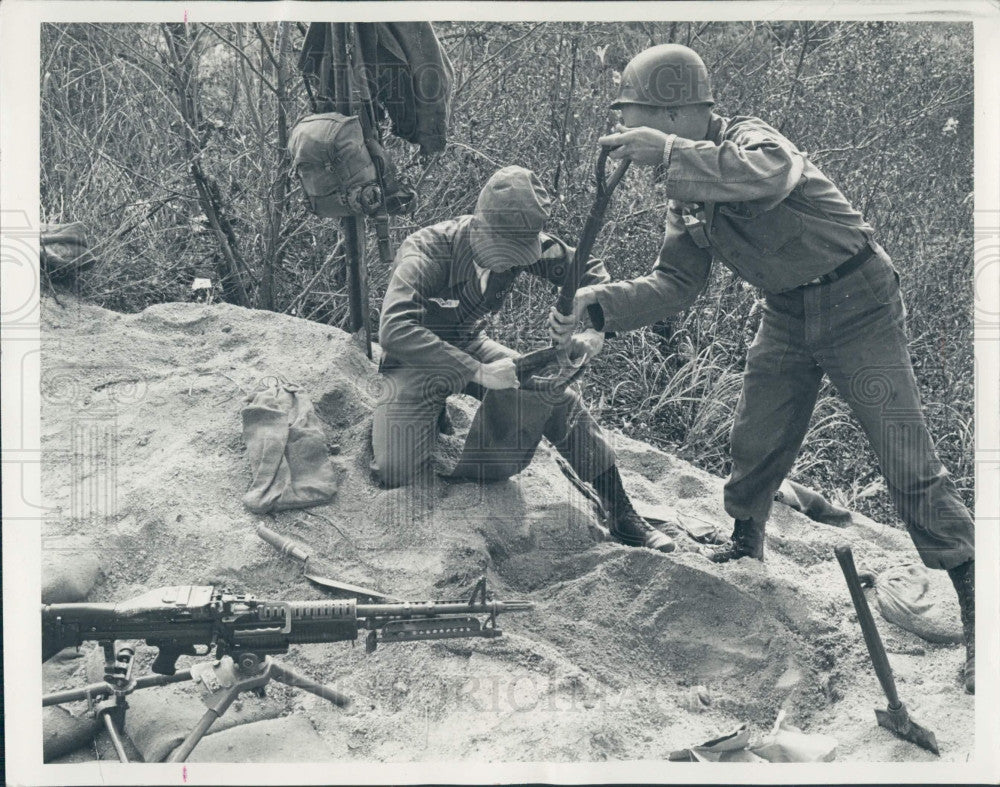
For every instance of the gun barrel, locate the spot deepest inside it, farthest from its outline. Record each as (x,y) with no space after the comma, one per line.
(87,610)
(406,609)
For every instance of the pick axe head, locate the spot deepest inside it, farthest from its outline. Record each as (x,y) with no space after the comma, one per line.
(899,723)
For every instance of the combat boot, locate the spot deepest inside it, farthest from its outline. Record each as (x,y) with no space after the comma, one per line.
(747,541)
(963,577)
(626,526)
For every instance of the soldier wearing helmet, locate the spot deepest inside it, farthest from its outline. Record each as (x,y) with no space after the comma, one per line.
(743,194)
(665,87)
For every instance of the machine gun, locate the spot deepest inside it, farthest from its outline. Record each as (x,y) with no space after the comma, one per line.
(241,632)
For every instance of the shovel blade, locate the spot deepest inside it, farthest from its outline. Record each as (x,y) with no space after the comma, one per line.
(899,723)
(346,589)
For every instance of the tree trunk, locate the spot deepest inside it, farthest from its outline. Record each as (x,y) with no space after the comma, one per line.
(183,69)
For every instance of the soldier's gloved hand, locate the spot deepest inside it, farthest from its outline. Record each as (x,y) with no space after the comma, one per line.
(584,346)
(497,375)
(561,327)
(641,145)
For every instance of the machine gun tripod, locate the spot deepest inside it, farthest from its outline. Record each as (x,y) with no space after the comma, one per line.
(221,681)
(242,632)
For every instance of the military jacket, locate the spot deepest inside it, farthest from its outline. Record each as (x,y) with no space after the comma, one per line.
(434,304)
(749,198)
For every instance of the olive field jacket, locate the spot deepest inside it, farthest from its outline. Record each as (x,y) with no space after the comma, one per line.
(768,213)
(434,304)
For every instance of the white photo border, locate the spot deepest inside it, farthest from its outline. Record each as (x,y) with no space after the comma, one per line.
(20,22)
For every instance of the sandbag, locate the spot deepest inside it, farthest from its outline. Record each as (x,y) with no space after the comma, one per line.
(504,435)
(59,669)
(784,743)
(701,530)
(548,369)
(70,570)
(289,459)
(63,250)
(288,739)
(160,718)
(731,747)
(921,601)
(812,504)
(787,743)
(62,732)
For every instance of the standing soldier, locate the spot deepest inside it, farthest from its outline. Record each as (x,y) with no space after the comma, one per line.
(742,193)
(445,279)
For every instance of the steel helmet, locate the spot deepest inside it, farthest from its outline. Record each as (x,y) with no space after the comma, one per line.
(668,75)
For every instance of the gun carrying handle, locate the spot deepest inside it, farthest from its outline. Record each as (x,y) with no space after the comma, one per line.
(286,628)
(872,639)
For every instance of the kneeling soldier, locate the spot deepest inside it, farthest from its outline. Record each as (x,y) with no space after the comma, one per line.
(445,279)
(742,193)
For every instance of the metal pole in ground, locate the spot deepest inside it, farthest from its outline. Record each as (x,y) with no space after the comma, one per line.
(353,226)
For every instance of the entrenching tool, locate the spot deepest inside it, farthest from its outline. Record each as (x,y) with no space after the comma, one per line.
(530,364)
(895,718)
(310,571)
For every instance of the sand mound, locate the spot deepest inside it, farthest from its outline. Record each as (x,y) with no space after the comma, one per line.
(144,467)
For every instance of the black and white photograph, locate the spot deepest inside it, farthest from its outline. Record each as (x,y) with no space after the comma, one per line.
(435,393)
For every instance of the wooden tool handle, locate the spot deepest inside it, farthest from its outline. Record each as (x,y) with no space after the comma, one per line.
(872,639)
(605,187)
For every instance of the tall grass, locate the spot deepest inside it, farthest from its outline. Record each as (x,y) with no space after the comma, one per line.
(123,122)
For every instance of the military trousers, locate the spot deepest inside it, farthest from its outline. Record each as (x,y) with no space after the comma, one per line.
(853,329)
(404,429)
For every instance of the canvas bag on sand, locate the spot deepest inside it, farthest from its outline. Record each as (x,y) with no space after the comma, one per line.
(289,460)
(919,600)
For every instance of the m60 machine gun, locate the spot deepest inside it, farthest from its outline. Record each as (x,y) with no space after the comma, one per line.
(241,633)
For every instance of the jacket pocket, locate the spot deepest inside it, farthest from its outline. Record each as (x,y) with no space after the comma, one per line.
(772,232)
(882,280)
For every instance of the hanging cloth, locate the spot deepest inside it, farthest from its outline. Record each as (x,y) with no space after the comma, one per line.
(409,74)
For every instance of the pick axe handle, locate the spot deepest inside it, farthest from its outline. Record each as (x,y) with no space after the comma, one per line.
(605,187)
(872,639)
